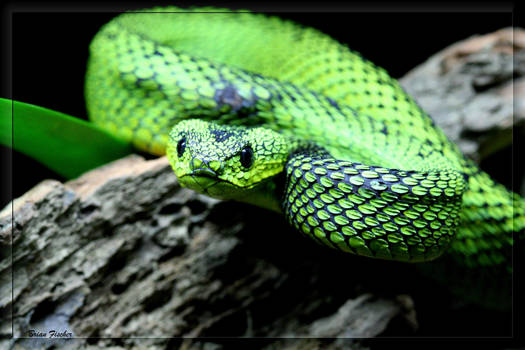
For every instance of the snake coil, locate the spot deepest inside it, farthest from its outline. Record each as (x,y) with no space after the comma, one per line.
(366,170)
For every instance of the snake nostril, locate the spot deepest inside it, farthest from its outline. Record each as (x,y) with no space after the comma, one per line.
(196,163)
(215,165)
(206,166)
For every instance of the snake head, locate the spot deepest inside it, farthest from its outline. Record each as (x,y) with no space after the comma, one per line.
(225,162)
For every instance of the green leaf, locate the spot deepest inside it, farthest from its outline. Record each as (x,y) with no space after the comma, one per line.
(67,145)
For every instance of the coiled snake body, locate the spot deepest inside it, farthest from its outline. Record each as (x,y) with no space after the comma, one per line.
(264,111)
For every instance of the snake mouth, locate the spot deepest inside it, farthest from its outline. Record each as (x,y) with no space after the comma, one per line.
(204,173)
(201,183)
(208,183)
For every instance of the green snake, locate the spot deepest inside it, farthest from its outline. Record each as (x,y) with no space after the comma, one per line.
(262,110)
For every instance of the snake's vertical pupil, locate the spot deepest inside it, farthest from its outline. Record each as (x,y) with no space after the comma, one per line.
(181,145)
(247,157)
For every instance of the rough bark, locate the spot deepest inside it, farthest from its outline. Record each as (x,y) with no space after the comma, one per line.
(124,252)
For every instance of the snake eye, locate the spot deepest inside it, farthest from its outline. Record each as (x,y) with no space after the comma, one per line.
(181,146)
(246,157)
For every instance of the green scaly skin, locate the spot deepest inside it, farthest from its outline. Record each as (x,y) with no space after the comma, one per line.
(335,143)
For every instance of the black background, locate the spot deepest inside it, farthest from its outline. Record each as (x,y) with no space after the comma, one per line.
(50,50)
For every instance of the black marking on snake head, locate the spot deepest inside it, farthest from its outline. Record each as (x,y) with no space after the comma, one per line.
(221,135)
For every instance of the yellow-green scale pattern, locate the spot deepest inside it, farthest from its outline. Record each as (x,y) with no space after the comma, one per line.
(387,183)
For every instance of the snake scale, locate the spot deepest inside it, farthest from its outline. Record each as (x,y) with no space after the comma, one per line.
(262,110)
